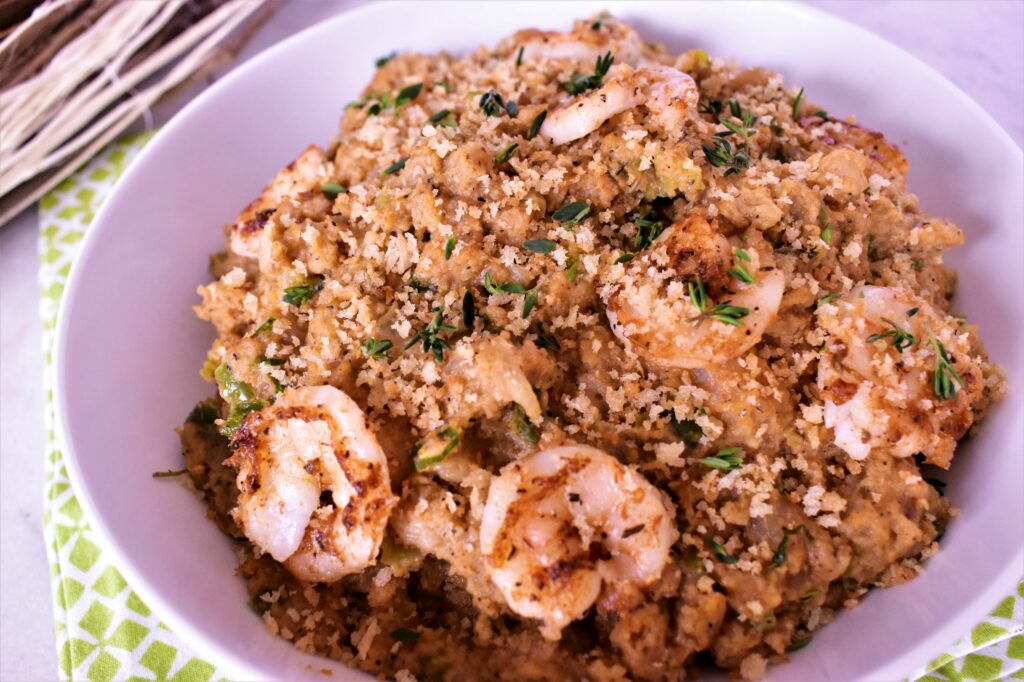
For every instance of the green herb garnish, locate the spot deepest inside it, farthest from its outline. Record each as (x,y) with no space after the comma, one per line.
(540,245)
(726,459)
(582,82)
(405,635)
(303,292)
(828,298)
(273,362)
(629,532)
(530,300)
(572,270)
(721,155)
(492,103)
(240,397)
(418,285)
(522,424)
(266,326)
(797,100)
(535,126)
(202,413)
(721,553)
(440,116)
(519,55)
(901,338)
(408,94)
(385,59)
(506,153)
(799,643)
(496,288)
(723,312)
(434,452)
(449,247)
(332,189)
(779,557)
(739,270)
(688,430)
(945,378)
(430,335)
(395,167)
(377,350)
(825,223)
(548,342)
(571,214)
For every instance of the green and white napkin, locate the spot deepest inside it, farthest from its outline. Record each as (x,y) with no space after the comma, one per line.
(105,632)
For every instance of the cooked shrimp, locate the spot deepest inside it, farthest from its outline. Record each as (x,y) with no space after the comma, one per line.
(566,523)
(878,370)
(669,95)
(486,375)
(583,44)
(314,487)
(302,175)
(654,312)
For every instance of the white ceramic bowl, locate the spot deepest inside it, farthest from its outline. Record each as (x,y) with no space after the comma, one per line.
(129,346)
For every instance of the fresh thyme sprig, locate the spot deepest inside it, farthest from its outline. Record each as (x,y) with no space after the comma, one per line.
(720,152)
(647,231)
(430,335)
(721,155)
(581,82)
(723,312)
(739,270)
(901,338)
(945,378)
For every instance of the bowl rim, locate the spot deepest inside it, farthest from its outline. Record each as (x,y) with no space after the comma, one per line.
(908,661)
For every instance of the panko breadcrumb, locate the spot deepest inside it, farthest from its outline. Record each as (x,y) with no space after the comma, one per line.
(567,261)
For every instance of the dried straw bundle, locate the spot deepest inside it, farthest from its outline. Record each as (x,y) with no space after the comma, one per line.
(76,73)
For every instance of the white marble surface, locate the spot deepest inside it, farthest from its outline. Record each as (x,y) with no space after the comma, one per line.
(979,45)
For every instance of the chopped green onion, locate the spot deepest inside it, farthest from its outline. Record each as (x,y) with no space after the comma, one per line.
(449,247)
(429,454)
(526,428)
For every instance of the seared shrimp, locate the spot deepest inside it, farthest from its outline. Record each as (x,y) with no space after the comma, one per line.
(566,523)
(878,375)
(662,309)
(669,95)
(302,175)
(583,44)
(314,487)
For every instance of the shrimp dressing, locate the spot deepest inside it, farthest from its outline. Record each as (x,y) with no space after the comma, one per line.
(573,358)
